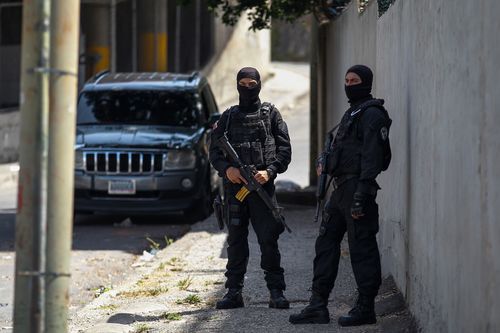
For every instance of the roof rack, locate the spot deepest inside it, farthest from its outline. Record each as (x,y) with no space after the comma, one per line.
(100,74)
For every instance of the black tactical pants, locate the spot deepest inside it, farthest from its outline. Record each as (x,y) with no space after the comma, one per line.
(365,258)
(267,231)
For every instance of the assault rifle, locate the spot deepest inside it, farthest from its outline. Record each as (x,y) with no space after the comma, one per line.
(248,172)
(323,183)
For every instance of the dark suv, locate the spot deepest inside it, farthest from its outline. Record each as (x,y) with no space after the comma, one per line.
(142,145)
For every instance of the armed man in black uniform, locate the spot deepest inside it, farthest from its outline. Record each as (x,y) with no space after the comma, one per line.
(359,152)
(260,137)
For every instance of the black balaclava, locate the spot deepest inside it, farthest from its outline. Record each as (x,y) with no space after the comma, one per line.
(362,91)
(249,97)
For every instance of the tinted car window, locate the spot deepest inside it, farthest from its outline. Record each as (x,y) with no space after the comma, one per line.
(209,97)
(139,107)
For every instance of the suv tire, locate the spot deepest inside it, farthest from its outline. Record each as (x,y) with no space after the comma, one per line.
(203,208)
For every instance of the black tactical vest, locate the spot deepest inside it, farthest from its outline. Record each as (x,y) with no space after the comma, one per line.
(251,135)
(348,143)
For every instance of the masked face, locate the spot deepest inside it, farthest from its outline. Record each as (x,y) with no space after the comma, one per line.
(357,92)
(249,90)
(358,83)
(248,85)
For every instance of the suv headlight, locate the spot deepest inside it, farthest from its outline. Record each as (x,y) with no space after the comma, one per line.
(79,165)
(179,159)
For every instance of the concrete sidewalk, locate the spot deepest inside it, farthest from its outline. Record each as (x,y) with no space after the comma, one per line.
(176,292)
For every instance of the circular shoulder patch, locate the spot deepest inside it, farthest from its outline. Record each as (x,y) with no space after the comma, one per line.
(384,133)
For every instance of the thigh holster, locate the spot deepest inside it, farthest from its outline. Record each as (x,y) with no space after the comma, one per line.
(234,214)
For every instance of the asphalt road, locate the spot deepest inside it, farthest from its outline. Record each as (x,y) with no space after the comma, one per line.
(105,251)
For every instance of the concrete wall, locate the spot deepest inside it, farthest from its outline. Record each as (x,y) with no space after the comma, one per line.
(9,136)
(291,41)
(435,63)
(243,48)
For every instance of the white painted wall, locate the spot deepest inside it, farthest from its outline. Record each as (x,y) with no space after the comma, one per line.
(436,64)
(244,48)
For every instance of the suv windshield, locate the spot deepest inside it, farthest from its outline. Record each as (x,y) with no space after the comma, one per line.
(139,107)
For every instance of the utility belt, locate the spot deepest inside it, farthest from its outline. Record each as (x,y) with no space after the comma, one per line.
(338,181)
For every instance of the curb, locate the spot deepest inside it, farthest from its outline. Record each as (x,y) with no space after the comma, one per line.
(304,197)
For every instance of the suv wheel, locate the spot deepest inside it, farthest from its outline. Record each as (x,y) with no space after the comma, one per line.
(203,208)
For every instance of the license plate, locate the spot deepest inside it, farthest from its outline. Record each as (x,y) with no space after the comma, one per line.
(122,187)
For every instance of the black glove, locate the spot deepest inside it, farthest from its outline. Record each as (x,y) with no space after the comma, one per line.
(358,205)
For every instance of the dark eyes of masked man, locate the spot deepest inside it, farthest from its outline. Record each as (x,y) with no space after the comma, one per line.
(354,157)
(260,137)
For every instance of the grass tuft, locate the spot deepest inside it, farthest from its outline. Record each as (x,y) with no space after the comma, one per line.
(184,284)
(149,292)
(191,299)
(142,328)
(173,261)
(172,316)
(101,290)
(108,307)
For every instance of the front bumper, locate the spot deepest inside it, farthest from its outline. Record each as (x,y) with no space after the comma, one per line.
(155,194)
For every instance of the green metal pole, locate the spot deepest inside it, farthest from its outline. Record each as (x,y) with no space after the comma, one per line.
(32,198)
(62,120)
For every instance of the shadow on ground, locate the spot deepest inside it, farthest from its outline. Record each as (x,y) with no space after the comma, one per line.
(108,232)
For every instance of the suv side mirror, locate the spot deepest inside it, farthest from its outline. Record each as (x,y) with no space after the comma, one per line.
(212,120)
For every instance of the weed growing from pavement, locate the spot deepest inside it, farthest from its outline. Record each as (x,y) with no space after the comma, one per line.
(172,316)
(150,292)
(185,283)
(168,240)
(142,281)
(109,307)
(101,290)
(191,299)
(142,328)
(161,267)
(173,261)
(154,245)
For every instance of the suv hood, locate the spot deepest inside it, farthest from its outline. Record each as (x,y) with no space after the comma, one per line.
(136,136)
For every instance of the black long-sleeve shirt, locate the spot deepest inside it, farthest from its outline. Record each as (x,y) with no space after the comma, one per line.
(363,146)
(279,131)
(372,151)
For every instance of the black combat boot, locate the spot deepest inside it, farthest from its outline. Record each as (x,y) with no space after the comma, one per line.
(278,300)
(362,313)
(315,313)
(232,300)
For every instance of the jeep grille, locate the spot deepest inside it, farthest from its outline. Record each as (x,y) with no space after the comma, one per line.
(123,162)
